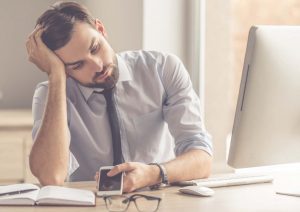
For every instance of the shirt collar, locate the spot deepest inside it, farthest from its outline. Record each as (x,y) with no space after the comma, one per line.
(124,75)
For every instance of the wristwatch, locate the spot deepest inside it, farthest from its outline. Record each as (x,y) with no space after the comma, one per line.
(163,176)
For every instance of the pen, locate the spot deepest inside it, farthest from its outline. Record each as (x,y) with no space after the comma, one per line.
(17,192)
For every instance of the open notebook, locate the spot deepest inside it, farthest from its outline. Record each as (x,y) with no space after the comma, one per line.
(48,195)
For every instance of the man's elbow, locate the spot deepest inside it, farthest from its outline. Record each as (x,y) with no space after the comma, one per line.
(206,166)
(207,170)
(57,180)
(53,178)
(46,176)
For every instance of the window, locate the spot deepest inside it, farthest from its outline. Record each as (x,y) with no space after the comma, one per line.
(227,25)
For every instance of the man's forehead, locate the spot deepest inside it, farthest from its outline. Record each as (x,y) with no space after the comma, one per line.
(82,37)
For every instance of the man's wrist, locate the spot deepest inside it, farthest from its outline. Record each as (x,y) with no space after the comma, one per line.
(163,177)
(156,178)
(57,77)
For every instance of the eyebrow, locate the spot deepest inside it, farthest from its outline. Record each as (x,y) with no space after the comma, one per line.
(79,61)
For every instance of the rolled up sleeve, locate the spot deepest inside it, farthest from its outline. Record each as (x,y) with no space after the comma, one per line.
(182,110)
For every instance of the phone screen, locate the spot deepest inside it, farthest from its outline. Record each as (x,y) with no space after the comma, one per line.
(107,183)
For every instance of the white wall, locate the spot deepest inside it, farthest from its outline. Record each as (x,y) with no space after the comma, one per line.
(17,76)
(123,20)
(165,26)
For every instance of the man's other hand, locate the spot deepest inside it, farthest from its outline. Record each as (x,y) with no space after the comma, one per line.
(137,175)
(39,54)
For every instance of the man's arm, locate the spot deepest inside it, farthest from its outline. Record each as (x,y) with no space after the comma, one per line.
(50,152)
(193,164)
(193,149)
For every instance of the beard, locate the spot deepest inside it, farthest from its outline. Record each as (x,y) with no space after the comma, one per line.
(109,82)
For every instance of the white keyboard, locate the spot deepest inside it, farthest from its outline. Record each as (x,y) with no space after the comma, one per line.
(228,180)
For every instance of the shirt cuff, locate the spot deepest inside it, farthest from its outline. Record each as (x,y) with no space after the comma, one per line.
(201,141)
(73,165)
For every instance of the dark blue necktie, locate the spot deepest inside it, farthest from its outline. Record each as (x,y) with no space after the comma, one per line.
(114,124)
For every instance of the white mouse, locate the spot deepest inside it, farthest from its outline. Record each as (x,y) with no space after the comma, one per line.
(197,190)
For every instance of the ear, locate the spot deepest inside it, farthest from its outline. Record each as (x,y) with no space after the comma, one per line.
(100,27)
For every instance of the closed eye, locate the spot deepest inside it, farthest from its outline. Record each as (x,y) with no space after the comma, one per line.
(77,66)
(95,48)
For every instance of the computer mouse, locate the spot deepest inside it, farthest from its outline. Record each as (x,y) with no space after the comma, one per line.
(197,190)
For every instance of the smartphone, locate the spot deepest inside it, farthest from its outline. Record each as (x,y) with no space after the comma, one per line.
(109,185)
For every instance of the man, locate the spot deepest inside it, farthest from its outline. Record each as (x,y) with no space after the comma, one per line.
(158,112)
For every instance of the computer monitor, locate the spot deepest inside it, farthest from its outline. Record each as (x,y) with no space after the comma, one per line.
(266,128)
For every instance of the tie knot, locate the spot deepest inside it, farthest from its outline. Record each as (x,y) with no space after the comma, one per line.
(107,93)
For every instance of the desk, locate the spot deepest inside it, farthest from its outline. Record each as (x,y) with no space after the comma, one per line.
(259,197)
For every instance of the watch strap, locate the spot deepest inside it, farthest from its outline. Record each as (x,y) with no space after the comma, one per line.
(163,176)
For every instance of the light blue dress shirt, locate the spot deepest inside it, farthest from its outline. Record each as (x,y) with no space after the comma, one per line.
(158,109)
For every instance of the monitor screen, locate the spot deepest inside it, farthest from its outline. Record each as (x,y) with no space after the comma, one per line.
(266,128)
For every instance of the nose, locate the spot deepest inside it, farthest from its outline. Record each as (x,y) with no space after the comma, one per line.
(96,64)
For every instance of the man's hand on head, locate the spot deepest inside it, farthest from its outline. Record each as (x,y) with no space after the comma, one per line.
(44,58)
(137,175)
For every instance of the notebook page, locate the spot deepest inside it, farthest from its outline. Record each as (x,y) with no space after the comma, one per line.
(57,195)
(19,199)
(17,187)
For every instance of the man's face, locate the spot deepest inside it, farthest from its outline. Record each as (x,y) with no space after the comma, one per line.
(88,57)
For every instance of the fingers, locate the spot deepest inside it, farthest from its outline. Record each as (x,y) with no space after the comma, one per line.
(129,179)
(31,41)
(129,184)
(123,167)
(35,30)
(30,46)
(40,55)
(34,44)
(32,35)
(38,37)
(34,39)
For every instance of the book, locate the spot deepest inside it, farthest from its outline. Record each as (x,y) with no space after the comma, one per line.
(30,194)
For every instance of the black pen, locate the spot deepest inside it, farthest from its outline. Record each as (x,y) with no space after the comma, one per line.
(17,192)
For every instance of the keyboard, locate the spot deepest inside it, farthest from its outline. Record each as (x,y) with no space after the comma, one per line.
(231,179)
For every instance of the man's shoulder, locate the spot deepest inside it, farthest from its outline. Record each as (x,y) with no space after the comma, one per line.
(42,85)
(138,54)
(148,57)
(45,84)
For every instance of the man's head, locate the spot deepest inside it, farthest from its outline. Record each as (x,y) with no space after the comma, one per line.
(79,41)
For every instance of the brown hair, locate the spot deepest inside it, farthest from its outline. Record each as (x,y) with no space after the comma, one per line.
(58,22)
